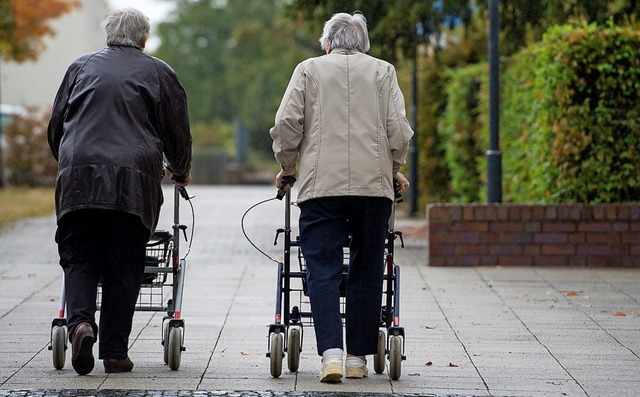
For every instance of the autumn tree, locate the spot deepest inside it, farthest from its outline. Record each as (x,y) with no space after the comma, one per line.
(25,23)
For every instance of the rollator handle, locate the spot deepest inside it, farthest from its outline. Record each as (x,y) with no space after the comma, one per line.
(184,194)
(286,180)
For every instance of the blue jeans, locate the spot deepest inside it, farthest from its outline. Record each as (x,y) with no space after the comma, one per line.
(325,227)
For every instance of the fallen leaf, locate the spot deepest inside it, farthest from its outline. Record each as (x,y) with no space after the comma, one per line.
(429,363)
(572,293)
(452,365)
(244,354)
(619,314)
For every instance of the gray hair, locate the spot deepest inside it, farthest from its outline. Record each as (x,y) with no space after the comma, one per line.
(345,31)
(126,27)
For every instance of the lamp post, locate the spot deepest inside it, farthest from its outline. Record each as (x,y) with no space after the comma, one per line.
(413,149)
(494,158)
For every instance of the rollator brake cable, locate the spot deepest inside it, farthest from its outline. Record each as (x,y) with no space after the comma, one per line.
(245,233)
(185,195)
(287,180)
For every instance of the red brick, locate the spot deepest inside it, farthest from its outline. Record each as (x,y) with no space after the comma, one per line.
(611,212)
(512,238)
(593,249)
(620,249)
(489,238)
(471,260)
(438,237)
(488,260)
(559,227)
(467,213)
(436,212)
(577,260)
(507,249)
(598,212)
(480,213)
(437,260)
(492,211)
(538,212)
(623,212)
(550,260)
(464,238)
(558,249)
(604,261)
(551,212)
(554,238)
(603,238)
(455,212)
(515,260)
(533,227)
(475,249)
(506,227)
(594,226)
(620,226)
(503,213)
(531,249)
(513,213)
(576,238)
(526,213)
(441,249)
(472,226)
(631,238)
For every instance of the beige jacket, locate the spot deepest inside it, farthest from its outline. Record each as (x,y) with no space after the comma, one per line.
(343,119)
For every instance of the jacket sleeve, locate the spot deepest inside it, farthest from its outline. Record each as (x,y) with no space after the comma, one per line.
(399,130)
(56,122)
(173,117)
(288,131)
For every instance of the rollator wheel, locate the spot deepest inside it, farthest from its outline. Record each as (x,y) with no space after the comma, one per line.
(58,346)
(293,349)
(175,347)
(165,342)
(379,357)
(395,357)
(275,354)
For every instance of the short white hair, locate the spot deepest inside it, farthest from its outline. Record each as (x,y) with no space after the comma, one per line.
(347,32)
(126,27)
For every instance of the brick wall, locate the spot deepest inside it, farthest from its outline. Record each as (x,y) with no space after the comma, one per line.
(533,235)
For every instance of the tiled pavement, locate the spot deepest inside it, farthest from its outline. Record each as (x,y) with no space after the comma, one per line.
(484,331)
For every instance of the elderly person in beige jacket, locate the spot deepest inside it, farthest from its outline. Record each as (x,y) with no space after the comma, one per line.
(342,123)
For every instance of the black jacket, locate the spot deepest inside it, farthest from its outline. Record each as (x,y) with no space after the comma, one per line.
(116,113)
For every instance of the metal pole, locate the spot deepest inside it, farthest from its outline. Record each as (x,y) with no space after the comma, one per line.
(2,184)
(413,151)
(494,160)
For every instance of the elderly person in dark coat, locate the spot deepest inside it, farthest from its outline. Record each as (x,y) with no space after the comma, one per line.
(116,113)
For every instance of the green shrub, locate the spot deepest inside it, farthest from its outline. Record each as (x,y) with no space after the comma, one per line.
(574,106)
(28,158)
(465,133)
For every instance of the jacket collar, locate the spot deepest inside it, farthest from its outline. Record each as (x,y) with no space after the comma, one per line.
(343,51)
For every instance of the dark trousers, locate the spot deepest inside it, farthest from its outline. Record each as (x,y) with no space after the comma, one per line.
(107,246)
(325,227)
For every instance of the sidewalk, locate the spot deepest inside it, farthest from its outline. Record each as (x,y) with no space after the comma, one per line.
(469,331)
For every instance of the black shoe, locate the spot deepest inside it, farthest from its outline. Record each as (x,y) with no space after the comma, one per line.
(82,348)
(113,366)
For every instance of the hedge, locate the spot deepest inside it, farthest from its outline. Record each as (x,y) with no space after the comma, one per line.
(570,120)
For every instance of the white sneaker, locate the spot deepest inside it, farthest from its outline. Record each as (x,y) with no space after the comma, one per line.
(331,369)
(356,368)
